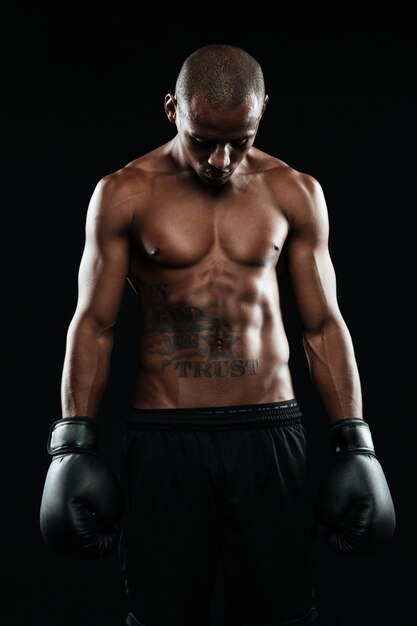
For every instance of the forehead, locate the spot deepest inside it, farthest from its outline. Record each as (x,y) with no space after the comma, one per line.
(202,119)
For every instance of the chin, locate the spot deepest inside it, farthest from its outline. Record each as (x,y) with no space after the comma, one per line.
(215,183)
(212,181)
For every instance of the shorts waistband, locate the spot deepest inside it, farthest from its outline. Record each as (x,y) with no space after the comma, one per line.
(218,417)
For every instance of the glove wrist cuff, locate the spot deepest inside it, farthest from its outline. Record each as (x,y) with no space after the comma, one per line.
(73,434)
(351,436)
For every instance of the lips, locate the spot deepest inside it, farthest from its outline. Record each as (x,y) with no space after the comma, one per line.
(216,175)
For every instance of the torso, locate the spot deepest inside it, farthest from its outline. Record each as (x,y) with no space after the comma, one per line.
(204,266)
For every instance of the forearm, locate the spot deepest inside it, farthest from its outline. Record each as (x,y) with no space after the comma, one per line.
(334,370)
(86,369)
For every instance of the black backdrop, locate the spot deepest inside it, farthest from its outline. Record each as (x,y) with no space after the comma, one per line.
(82,98)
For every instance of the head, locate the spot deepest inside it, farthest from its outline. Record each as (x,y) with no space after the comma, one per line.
(217,106)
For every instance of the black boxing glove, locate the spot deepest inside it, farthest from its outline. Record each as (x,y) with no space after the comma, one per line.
(82,500)
(354,502)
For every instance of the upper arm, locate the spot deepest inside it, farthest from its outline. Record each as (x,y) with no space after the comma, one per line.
(310,267)
(104,264)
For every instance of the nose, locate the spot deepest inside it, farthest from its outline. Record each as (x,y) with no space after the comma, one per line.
(220,157)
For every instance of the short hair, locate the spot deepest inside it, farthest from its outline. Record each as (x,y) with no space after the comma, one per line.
(224,74)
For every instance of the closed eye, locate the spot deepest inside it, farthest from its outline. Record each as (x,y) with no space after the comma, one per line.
(203,143)
(239,143)
(208,143)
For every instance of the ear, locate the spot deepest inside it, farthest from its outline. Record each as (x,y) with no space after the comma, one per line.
(170,106)
(265,103)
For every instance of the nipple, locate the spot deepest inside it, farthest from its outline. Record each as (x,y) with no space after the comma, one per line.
(155,251)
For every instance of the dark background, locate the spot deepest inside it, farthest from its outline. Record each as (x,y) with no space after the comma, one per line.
(82,97)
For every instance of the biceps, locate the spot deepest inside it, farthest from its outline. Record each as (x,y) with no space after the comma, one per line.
(102,280)
(314,284)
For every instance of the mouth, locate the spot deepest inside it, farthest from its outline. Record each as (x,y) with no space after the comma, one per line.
(216,176)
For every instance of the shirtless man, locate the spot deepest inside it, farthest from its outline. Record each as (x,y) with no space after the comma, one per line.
(214,457)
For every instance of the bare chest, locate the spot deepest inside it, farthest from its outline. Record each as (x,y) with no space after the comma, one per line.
(182,230)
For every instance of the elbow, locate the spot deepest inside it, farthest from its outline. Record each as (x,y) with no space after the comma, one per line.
(83,325)
(323,329)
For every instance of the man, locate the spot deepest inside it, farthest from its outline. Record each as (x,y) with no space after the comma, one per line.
(214,458)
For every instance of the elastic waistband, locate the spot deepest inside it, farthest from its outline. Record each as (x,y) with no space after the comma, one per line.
(217,417)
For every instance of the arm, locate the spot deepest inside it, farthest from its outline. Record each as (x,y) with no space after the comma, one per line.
(353,502)
(82,501)
(101,282)
(326,339)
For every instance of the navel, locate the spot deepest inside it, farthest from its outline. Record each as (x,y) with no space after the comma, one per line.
(276,247)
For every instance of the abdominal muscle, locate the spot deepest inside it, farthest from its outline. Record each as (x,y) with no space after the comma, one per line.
(207,349)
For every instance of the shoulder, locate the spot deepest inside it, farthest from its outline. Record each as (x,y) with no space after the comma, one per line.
(123,186)
(298,195)
(121,192)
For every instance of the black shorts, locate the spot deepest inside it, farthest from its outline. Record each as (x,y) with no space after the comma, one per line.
(227,483)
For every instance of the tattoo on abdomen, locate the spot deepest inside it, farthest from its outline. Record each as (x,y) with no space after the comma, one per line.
(196,343)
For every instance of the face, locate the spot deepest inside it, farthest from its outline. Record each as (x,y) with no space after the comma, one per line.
(213,143)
